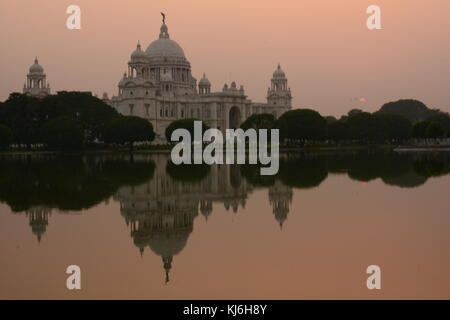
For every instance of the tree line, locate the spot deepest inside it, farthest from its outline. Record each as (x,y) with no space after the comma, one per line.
(67,121)
(70,121)
(304,126)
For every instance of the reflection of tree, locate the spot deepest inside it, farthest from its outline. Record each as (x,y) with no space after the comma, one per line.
(302,172)
(252,173)
(39,184)
(309,170)
(187,172)
(402,170)
(432,166)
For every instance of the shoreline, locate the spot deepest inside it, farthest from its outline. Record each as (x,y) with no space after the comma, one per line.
(282,150)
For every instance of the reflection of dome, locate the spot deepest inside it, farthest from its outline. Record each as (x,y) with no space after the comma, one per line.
(36,67)
(169,243)
(164,46)
(279,73)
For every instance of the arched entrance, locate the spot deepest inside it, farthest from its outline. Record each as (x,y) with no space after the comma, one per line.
(235,118)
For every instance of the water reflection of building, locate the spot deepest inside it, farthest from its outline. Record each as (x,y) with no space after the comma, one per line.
(161,212)
(38,220)
(280,197)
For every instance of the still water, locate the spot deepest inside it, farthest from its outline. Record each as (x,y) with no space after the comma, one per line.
(141,228)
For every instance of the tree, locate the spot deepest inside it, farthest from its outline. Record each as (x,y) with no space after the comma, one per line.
(20,113)
(189,173)
(302,125)
(413,110)
(26,115)
(5,137)
(338,131)
(92,112)
(434,130)
(353,112)
(443,118)
(367,127)
(420,129)
(63,134)
(259,121)
(331,119)
(128,130)
(397,127)
(187,124)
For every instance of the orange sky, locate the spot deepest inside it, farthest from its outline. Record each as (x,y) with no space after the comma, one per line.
(330,57)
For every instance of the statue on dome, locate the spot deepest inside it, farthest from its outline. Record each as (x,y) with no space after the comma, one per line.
(164,17)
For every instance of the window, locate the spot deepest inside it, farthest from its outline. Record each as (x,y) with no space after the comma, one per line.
(131,108)
(147,107)
(160,112)
(182,113)
(166,113)
(171,113)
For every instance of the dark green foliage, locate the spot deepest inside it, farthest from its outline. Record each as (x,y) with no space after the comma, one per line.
(331,119)
(192,173)
(92,112)
(435,130)
(27,115)
(366,127)
(259,121)
(420,129)
(187,124)
(63,134)
(397,127)
(338,131)
(428,129)
(413,110)
(443,119)
(302,125)
(302,172)
(68,182)
(5,137)
(21,113)
(129,129)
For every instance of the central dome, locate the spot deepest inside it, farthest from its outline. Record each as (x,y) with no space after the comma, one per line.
(164,47)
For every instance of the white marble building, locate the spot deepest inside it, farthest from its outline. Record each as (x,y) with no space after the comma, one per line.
(36,84)
(159,86)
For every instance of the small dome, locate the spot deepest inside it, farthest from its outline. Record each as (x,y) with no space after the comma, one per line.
(204,82)
(166,77)
(279,73)
(164,47)
(138,53)
(123,80)
(36,67)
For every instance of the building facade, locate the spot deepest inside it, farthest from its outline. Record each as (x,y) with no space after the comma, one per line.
(159,87)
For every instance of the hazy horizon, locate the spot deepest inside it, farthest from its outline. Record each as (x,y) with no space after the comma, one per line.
(330,57)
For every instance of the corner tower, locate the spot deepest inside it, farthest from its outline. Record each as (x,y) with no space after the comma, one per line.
(36,85)
(279,94)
